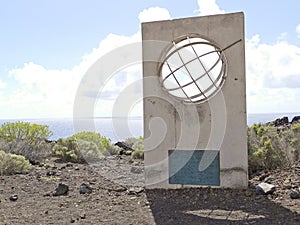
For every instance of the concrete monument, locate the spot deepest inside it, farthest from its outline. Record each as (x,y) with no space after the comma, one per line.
(195,102)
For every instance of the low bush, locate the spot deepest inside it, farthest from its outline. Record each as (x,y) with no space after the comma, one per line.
(32,133)
(135,143)
(29,140)
(138,148)
(115,150)
(292,141)
(13,164)
(131,141)
(67,150)
(138,154)
(82,147)
(102,142)
(270,147)
(138,144)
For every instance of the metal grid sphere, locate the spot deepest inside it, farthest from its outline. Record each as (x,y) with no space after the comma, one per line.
(193,69)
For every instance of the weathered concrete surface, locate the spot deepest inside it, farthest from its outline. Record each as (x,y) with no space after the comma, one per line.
(218,124)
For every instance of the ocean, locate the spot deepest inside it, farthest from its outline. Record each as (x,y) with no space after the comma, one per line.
(118,129)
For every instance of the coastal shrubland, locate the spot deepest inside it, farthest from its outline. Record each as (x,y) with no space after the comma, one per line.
(24,138)
(100,141)
(271,147)
(137,146)
(13,164)
(115,150)
(82,147)
(90,146)
(138,154)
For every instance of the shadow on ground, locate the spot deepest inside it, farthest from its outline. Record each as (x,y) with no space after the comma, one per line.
(216,206)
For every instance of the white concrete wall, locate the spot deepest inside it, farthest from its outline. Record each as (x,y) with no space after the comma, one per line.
(219,124)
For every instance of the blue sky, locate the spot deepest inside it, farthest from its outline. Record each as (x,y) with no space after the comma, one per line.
(46,47)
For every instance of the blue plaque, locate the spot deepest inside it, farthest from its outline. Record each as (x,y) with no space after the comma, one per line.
(194,167)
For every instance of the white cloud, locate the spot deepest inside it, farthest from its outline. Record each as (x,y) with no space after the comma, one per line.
(276,65)
(154,14)
(209,7)
(273,83)
(39,92)
(112,41)
(272,77)
(298,30)
(272,72)
(2,84)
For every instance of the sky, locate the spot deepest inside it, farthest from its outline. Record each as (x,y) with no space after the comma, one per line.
(47,46)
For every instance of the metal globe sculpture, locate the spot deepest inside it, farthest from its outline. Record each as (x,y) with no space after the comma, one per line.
(193,69)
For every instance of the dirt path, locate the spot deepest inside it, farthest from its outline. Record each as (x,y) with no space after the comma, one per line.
(118,197)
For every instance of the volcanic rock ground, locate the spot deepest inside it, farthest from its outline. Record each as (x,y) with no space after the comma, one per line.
(118,197)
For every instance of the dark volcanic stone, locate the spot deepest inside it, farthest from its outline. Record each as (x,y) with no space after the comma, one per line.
(13,198)
(294,194)
(62,189)
(281,121)
(136,170)
(124,147)
(296,119)
(85,189)
(50,173)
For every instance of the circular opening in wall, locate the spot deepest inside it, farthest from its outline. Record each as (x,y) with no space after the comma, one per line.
(193,69)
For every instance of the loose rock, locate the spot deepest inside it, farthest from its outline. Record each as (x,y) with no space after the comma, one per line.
(82,216)
(62,189)
(13,198)
(136,170)
(117,189)
(296,119)
(281,121)
(124,146)
(50,173)
(135,190)
(264,176)
(85,189)
(264,189)
(294,194)
(248,193)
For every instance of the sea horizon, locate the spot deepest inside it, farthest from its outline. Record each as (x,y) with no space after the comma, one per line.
(122,127)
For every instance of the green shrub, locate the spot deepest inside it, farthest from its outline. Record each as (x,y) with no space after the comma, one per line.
(82,147)
(13,164)
(128,152)
(296,128)
(32,133)
(260,150)
(90,151)
(67,150)
(138,145)
(270,147)
(135,143)
(115,150)
(102,142)
(131,141)
(138,154)
(294,137)
(23,138)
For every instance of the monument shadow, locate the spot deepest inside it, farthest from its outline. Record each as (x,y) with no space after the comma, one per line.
(195,206)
